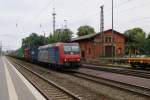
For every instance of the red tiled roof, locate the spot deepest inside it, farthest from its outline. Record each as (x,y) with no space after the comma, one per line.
(95,34)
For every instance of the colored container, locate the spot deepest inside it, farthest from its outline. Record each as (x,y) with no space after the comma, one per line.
(19,53)
(33,52)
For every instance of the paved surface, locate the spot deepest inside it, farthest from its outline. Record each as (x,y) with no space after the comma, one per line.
(13,86)
(133,80)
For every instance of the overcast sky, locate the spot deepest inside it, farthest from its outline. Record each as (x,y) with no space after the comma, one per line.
(29,14)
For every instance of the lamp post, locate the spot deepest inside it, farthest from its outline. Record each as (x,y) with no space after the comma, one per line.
(102,29)
(44,38)
(112,15)
(65,23)
(0,52)
(44,42)
(113,48)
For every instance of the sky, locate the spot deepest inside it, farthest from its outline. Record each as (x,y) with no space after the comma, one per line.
(19,18)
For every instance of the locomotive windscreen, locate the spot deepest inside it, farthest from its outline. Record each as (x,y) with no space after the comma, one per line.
(71,49)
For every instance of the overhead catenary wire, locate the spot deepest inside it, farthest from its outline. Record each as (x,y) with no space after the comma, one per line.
(133,8)
(36,16)
(83,18)
(108,11)
(96,13)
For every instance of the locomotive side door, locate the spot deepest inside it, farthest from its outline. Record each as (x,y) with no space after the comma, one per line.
(57,55)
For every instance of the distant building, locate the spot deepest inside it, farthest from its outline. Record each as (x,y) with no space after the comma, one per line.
(92,46)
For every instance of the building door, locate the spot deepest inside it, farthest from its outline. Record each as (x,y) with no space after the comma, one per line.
(83,54)
(109,51)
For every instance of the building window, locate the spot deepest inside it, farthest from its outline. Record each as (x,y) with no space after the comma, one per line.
(119,50)
(89,51)
(108,39)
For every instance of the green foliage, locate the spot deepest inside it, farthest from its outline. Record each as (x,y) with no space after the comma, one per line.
(65,35)
(60,35)
(19,52)
(85,30)
(50,39)
(147,45)
(148,37)
(136,40)
(135,35)
(33,40)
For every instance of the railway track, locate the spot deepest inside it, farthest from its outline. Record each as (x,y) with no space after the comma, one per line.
(81,92)
(49,89)
(125,71)
(123,86)
(135,92)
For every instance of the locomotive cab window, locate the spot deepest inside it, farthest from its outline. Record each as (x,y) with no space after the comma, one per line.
(68,49)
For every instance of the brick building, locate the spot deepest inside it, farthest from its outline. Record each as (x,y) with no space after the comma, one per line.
(93,46)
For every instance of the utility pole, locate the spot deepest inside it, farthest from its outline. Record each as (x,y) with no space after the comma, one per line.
(0,48)
(16,23)
(102,27)
(113,48)
(54,17)
(65,24)
(44,38)
(44,33)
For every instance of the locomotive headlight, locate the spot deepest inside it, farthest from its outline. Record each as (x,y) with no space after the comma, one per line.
(65,60)
(78,59)
(141,61)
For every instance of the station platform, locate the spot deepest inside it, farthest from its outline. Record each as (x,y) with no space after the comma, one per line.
(14,86)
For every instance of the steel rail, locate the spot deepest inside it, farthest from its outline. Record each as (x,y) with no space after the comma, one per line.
(112,83)
(130,72)
(74,97)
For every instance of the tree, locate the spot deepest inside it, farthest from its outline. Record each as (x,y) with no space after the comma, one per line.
(33,40)
(50,39)
(136,39)
(60,35)
(65,35)
(85,30)
(135,35)
(147,45)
